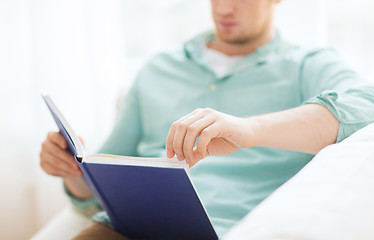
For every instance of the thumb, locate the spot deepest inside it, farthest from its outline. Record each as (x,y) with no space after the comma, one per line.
(81,140)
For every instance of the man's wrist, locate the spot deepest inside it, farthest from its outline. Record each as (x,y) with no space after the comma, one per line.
(250,132)
(77,187)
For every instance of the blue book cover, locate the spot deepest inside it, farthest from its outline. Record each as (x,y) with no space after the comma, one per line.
(145,198)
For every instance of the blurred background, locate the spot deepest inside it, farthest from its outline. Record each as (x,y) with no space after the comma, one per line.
(83,53)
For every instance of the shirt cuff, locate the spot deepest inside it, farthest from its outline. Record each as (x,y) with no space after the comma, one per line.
(87,207)
(348,109)
(103,218)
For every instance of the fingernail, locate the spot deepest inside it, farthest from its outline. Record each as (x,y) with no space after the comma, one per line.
(180,157)
(169,154)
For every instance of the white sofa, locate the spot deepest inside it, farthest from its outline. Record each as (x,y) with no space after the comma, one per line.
(332,197)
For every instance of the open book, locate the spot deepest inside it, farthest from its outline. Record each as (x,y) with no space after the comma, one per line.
(145,198)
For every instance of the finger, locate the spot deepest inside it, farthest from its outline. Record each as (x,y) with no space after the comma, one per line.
(193,131)
(180,133)
(50,159)
(196,158)
(205,137)
(58,139)
(169,140)
(81,140)
(52,170)
(49,169)
(61,166)
(56,151)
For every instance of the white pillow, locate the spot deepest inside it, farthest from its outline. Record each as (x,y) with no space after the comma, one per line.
(330,198)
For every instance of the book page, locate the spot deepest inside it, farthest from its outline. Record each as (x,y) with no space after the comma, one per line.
(65,128)
(137,161)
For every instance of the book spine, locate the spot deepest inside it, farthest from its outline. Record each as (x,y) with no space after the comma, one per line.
(90,181)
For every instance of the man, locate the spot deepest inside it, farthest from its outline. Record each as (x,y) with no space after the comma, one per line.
(241,91)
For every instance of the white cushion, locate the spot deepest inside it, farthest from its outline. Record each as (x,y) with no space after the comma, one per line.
(364,135)
(330,198)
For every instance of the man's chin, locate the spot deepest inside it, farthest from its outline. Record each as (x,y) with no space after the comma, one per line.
(231,38)
(234,40)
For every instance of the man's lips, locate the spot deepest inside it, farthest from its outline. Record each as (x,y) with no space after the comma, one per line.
(226,24)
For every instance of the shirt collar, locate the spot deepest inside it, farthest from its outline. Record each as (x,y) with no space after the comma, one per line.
(262,55)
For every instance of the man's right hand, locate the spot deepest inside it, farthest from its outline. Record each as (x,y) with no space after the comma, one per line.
(55,159)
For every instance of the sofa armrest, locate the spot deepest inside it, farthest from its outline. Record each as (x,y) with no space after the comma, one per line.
(66,225)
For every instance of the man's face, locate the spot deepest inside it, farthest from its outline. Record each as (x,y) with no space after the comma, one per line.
(240,21)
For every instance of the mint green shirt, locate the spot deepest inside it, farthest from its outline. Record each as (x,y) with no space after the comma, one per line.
(275,77)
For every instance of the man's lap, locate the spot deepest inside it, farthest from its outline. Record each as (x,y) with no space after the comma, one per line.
(99,231)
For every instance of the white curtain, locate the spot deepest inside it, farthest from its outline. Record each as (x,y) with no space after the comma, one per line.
(84,53)
(351,31)
(74,51)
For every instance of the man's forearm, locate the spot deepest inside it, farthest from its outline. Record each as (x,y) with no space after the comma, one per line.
(307,128)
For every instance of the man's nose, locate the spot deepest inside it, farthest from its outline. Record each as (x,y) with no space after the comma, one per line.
(224,7)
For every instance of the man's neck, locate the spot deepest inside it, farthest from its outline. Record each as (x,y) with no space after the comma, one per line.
(234,49)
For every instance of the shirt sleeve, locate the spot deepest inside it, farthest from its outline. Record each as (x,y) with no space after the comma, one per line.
(87,207)
(326,80)
(123,140)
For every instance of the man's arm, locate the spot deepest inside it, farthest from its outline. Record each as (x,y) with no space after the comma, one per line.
(327,81)
(307,128)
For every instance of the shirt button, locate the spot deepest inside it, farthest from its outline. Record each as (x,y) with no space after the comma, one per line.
(213,87)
